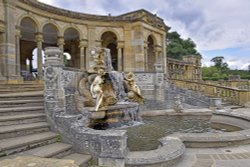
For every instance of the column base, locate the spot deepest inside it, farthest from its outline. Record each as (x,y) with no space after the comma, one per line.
(3,79)
(14,80)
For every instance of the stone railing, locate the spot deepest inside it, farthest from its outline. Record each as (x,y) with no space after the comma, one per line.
(233,95)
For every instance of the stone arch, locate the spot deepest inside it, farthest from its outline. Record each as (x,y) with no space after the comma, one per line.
(109,30)
(151,56)
(152,35)
(71,47)
(50,34)
(28,30)
(58,28)
(37,23)
(110,41)
(73,27)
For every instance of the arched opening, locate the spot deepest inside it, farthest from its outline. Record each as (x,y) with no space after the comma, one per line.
(151,54)
(28,30)
(49,35)
(71,48)
(109,40)
(35,61)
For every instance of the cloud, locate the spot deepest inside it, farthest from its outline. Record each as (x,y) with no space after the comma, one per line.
(213,25)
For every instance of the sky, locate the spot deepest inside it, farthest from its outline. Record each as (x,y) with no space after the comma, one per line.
(218,27)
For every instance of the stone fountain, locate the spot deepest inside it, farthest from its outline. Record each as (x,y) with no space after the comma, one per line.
(79,102)
(111,98)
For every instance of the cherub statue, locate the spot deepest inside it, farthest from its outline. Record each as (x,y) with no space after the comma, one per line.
(133,90)
(96,88)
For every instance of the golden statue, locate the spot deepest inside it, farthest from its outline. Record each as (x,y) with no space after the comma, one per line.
(133,90)
(96,88)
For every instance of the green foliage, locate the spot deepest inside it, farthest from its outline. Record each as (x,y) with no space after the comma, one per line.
(178,47)
(220,70)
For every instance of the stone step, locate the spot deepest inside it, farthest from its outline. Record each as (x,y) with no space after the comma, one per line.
(18,144)
(21,110)
(22,119)
(18,90)
(57,150)
(22,94)
(80,159)
(23,129)
(21,85)
(21,103)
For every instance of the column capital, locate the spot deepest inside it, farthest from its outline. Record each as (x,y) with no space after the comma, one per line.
(60,41)
(120,44)
(39,37)
(83,43)
(157,48)
(18,33)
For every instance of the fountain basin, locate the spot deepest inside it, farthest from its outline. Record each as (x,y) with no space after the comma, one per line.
(123,113)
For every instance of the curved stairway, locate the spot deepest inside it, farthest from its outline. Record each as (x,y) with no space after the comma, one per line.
(24,129)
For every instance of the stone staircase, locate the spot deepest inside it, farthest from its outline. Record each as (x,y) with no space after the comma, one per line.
(24,130)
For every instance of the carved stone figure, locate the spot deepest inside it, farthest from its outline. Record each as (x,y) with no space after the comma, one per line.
(84,88)
(133,90)
(99,60)
(96,88)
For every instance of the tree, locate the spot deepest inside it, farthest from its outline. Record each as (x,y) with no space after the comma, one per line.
(217,61)
(249,68)
(219,64)
(178,47)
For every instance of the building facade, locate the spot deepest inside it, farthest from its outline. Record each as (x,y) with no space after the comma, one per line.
(136,40)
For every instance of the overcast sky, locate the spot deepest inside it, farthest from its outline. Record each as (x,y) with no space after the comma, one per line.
(218,27)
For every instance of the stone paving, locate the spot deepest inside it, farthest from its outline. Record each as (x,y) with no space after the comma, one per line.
(234,156)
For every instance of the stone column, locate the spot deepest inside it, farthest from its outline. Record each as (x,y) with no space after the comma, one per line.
(54,97)
(8,48)
(146,55)
(91,44)
(60,44)
(138,48)
(39,41)
(128,52)
(120,58)
(18,63)
(83,46)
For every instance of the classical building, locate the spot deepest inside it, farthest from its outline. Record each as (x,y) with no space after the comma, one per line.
(136,39)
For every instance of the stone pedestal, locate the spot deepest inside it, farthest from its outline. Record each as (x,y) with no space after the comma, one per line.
(113,149)
(215,102)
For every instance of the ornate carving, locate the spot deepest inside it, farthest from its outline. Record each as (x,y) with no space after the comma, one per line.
(134,93)
(50,78)
(84,88)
